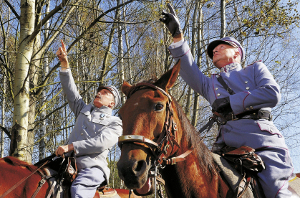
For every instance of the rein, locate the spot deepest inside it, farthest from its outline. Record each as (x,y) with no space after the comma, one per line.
(41,183)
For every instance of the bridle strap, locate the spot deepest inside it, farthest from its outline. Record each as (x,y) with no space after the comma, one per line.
(41,183)
(179,158)
(136,138)
(138,86)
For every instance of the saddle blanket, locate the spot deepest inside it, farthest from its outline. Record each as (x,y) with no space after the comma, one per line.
(232,176)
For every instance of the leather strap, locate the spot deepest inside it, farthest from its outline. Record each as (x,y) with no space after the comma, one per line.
(243,186)
(41,183)
(179,158)
(228,89)
(51,191)
(255,115)
(209,124)
(22,180)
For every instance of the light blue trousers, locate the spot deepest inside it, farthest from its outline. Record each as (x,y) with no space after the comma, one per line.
(86,182)
(274,179)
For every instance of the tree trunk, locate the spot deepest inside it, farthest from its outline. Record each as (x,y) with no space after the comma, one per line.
(3,117)
(120,50)
(19,144)
(128,54)
(196,30)
(106,55)
(43,131)
(223,19)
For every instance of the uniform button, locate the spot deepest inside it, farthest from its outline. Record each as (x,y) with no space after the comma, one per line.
(251,107)
(218,94)
(247,88)
(247,109)
(246,82)
(216,88)
(81,133)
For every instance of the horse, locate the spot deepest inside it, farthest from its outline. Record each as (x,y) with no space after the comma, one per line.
(157,134)
(22,179)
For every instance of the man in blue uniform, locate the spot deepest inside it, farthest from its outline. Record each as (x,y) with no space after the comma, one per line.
(94,133)
(246,109)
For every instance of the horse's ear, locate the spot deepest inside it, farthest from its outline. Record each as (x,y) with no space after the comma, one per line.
(169,78)
(126,88)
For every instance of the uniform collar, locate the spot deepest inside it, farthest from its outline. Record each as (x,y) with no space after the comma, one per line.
(90,107)
(231,67)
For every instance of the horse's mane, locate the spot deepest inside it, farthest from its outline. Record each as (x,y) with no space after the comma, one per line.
(16,162)
(194,142)
(12,161)
(52,164)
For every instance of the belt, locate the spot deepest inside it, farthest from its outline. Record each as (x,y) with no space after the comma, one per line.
(255,115)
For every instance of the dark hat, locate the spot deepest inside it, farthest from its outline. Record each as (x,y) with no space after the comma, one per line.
(226,40)
(114,91)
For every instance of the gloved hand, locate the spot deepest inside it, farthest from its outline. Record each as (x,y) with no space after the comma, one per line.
(222,105)
(171,21)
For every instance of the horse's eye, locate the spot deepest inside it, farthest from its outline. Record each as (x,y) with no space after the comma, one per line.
(159,107)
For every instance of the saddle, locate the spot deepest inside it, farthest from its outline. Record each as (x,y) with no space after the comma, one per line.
(105,191)
(245,163)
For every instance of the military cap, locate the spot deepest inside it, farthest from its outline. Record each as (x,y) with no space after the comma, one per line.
(114,91)
(226,40)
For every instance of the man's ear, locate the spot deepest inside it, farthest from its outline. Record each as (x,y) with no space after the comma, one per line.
(236,54)
(111,104)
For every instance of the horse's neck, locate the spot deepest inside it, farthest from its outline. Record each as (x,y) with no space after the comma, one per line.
(172,182)
(188,179)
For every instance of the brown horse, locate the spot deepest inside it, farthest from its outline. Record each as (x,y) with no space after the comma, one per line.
(21,179)
(156,133)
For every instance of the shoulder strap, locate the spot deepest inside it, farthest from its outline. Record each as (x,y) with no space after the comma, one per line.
(228,89)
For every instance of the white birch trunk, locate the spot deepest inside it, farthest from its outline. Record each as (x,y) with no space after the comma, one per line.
(19,143)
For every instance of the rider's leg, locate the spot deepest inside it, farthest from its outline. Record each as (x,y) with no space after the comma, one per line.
(86,182)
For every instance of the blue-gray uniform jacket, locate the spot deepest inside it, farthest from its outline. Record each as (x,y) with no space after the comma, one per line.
(95,130)
(254,88)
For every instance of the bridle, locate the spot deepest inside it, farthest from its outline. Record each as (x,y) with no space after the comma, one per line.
(167,144)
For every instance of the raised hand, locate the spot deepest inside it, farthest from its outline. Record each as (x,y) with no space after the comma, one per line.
(62,55)
(171,21)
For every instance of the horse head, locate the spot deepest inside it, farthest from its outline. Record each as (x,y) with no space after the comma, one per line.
(149,128)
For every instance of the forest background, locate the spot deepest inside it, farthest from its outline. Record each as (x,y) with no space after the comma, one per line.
(110,41)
